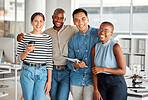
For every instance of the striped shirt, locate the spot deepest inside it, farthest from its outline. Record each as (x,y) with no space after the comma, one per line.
(43,49)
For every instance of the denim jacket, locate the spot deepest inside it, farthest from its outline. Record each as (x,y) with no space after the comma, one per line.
(79,47)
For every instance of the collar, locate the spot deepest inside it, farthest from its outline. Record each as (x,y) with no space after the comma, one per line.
(60,29)
(87,33)
(107,43)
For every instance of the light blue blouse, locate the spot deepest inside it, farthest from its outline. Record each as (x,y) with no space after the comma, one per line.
(104,55)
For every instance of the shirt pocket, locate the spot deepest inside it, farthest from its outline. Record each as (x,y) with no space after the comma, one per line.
(79,52)
(76,52)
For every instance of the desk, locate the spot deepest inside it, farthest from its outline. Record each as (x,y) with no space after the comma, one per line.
(16,68)
(136,96)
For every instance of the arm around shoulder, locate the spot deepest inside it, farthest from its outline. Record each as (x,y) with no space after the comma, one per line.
(75,30)
(20,37)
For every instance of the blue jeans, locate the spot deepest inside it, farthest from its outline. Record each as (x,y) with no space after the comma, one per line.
(33,80)
(60,84)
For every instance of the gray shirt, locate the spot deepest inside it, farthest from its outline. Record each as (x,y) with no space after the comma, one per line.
(60,41)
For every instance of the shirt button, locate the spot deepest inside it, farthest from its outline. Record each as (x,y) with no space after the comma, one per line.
(85,42)
(85,58)
(86,50)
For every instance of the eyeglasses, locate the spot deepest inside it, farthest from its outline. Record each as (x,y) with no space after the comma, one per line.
(105,31)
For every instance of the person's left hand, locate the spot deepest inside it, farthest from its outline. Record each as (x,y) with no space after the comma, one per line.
(47,87)
(97,70)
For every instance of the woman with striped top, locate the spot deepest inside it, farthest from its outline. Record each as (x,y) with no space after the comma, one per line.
(36,72)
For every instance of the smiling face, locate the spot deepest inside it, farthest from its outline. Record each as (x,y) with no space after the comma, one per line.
(105,32)
(37,23)
(58,19)
(81,22)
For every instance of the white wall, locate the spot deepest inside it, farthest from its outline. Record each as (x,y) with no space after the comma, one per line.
(32,6)
(47,7)
(67,5)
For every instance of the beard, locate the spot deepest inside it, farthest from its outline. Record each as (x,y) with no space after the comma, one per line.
(57,26)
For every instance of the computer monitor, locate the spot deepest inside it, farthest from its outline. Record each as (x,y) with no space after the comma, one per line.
(7,45)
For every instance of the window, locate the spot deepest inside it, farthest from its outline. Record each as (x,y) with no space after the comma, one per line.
(94,17)
(140,16)
(118,13)
(11,19)
(93,9)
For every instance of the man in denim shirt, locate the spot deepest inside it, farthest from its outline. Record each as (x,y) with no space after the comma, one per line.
(79,47)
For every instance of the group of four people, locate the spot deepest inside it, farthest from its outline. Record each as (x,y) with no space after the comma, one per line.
(98,75)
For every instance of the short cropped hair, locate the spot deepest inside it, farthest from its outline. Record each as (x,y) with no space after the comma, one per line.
(78,10)
(109,23)
(58,10)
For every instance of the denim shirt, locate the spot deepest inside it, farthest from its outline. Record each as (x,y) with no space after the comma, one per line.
(79,47)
